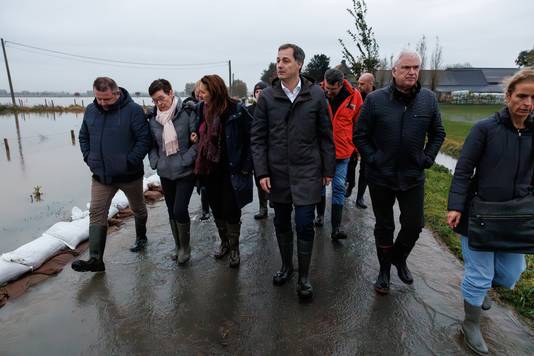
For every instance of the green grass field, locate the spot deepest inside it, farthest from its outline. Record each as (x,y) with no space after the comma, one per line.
(458,119)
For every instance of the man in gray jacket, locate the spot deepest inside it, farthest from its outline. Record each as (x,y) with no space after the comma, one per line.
(294,156)
(399,133)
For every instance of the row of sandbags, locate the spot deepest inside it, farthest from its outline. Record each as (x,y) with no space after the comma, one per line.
(59,236)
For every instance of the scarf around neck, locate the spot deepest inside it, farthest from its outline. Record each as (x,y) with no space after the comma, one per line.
(170,139)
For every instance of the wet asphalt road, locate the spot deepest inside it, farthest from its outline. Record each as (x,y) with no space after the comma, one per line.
(146,304)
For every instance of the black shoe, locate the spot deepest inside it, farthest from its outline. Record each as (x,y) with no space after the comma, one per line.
(285,245)
(304,287)
(92,265)
(360,204)
(403,272)
(262,214)
(319,220)
(348,191)
(140,234)
(384,258)
(338,235)
(337,214)
(139,245)
(223,250)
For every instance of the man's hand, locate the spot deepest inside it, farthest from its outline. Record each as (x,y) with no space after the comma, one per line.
(266,184)
(327,180)
(194,137)
(453,218)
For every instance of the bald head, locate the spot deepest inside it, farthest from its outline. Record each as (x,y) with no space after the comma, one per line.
(366,83)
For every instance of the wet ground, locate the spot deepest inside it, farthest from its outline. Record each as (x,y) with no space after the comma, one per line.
(145,304)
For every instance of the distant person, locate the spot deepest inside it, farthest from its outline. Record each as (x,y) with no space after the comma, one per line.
(399,133)
(344,104)
(173,155)
(114,139)
(500,150)
(294,157)
(365,86)
(262,195)
(224,162)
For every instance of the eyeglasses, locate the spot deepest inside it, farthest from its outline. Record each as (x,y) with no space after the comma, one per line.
(159,99)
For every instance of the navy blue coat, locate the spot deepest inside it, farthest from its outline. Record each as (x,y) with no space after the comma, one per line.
(115,141)
(237,139)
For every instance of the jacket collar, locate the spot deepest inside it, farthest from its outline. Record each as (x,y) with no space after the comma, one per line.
(304,93)
(503,118)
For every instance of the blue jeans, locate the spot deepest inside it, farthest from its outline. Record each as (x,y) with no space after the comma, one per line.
(338,183)
(304,216)
(481,269)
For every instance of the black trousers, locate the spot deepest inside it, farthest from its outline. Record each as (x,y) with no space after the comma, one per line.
(177,196)
(221,197)
(351,175)
(411,204)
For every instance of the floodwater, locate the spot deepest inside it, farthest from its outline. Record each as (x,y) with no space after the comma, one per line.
(64,101)
(146,304)
(42,154)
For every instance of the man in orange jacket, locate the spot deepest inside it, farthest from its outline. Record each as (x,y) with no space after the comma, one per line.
(344,106)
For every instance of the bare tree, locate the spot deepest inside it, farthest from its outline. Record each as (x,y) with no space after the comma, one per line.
(436,60)
(364,38)
(421,49)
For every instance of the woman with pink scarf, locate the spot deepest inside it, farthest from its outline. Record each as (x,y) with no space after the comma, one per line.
(173,155)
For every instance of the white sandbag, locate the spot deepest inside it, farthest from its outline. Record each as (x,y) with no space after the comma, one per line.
(71,233)
(36,252)
(119,200)
(10,271)
(78,213)
(153,180)
(112,211)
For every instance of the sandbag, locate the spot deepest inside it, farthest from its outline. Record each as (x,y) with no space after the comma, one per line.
(78,213)
(153,180)
(36,252)
(119,200)
(71,233)
(10,271)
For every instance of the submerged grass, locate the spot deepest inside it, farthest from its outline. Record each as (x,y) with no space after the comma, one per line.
(436,194)
(10,109)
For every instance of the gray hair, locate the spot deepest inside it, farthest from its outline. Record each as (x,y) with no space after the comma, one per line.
(406,53)
(333,76)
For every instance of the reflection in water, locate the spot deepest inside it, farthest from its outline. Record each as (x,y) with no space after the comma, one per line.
(19,141)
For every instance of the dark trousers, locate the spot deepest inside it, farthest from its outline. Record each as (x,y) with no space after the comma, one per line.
(262,195)
(221,197)
(411,203)
(304,216)
(177,196)
(351,175)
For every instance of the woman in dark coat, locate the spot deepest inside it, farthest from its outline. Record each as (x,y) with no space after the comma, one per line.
(224,162)
(501,150)
(173,155)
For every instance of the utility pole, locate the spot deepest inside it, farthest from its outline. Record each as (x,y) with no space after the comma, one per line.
(230,76)
(8,74)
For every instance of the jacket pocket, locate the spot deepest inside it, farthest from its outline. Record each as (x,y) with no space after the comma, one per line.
(117,165)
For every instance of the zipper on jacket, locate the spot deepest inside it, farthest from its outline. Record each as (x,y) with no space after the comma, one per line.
(518,160)
(101,143)
(400,137)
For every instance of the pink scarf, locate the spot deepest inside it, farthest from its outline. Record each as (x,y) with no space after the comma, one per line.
(170,139)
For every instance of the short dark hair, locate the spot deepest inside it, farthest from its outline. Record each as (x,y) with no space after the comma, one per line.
(298,53)
(105,84)
(333,76)
(159,84)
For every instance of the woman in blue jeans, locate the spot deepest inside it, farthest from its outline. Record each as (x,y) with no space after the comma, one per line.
(500,150)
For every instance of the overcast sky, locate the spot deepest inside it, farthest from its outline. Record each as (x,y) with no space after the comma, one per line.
(485,33)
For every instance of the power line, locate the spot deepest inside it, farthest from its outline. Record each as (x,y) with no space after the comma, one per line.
(106,60)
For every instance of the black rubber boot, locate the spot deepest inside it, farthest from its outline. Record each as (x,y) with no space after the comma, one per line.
(384,258)
(224,247)
(471,329)
(401,251)
(140,234)
(337,214)
(176,236)
(285,244)
(349,189)
(263,212)
(320,207)
(360,203)
(97,244)
(304,251)
(184,235)
(487,303)
(233,231)
(205,204)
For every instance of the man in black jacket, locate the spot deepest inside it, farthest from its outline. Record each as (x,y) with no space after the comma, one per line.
(294,156)
(393,127)
(114,139)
